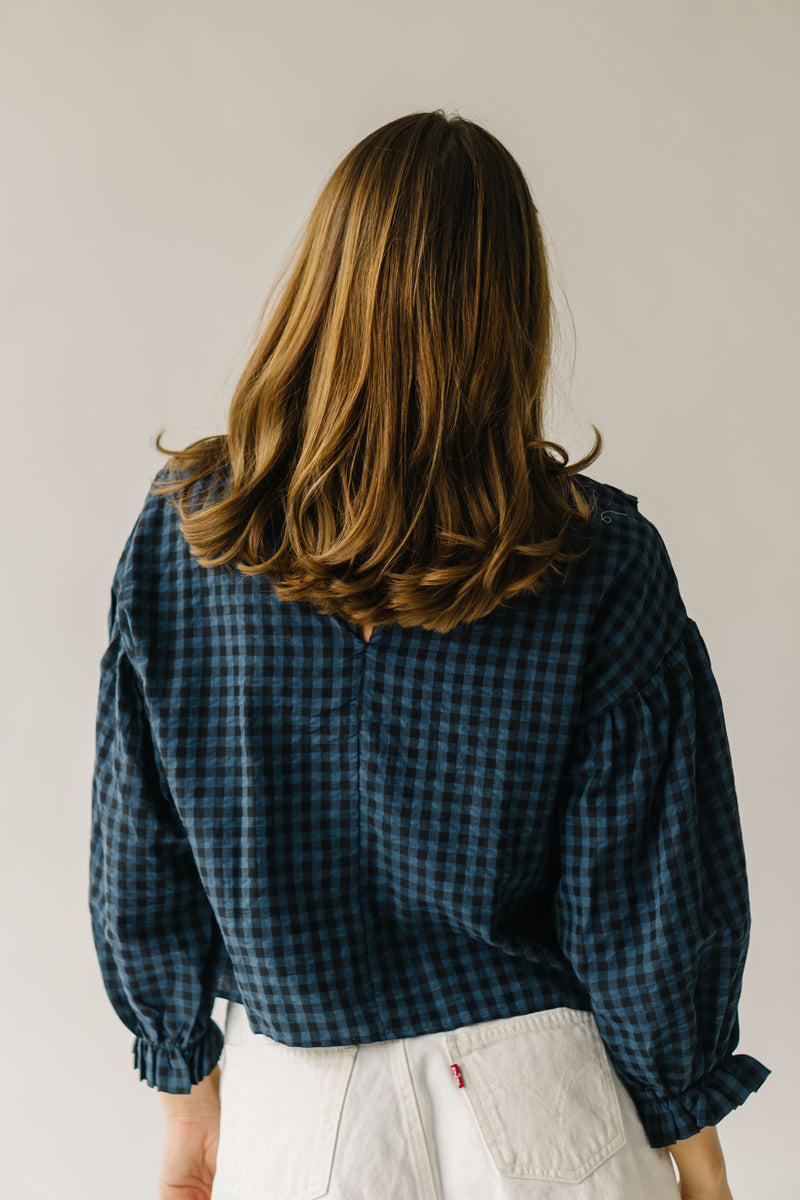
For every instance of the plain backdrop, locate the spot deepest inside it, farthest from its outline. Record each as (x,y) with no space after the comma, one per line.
(158,160)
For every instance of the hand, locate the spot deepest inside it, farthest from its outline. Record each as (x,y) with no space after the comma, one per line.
(189,1157)
(191,1141)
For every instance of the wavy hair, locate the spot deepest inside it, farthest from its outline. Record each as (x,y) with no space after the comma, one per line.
(383,458)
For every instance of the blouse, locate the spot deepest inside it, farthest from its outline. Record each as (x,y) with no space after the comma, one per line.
(360,841)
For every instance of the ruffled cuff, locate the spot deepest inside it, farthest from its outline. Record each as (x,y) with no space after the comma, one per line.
(172,1068)
(668,1119)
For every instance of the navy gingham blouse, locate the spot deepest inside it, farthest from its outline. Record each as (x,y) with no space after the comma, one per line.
(361,841)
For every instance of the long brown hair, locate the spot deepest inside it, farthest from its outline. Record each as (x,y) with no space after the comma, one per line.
(388,421)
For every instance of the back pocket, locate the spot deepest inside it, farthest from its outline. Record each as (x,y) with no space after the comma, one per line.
(280,1112)
(542,1093)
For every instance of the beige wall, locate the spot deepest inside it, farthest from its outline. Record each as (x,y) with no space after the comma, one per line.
(158,160)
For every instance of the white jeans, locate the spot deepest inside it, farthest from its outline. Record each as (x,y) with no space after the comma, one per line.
(519,1108)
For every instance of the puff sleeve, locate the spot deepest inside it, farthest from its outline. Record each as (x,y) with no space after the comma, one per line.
(154,931)
(652,905)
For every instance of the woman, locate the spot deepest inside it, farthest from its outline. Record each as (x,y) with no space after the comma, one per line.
(407,746)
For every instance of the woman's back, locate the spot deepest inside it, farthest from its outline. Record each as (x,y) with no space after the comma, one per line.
(424,830)
(445,748)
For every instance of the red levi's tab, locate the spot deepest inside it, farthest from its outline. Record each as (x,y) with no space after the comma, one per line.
(456,1073)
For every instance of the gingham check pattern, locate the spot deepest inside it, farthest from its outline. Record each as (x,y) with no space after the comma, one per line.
(369,841)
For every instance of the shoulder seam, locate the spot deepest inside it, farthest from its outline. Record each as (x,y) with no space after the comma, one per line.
(640,685)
